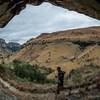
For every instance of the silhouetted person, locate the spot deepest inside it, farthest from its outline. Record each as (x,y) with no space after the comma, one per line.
(60,77)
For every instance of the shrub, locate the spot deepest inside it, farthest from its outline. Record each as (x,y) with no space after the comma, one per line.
(29,72)
(77,77)
(25,71)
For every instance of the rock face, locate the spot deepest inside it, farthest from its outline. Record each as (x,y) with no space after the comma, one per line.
(9,8)
(6,49)
(11,46)
(2,43)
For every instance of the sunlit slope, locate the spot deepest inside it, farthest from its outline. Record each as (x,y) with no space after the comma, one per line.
(89,57)
(49,55)
(69,49)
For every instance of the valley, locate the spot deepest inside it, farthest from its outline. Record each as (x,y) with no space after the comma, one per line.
(29,73)
(68,49)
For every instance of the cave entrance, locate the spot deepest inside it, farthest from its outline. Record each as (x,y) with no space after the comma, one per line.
(46,18)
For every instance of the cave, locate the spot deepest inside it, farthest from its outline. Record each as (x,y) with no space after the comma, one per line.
(10,8)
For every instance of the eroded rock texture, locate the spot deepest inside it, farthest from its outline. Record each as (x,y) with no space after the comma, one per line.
(9,8)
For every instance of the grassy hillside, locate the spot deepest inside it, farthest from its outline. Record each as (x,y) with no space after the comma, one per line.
(69,49)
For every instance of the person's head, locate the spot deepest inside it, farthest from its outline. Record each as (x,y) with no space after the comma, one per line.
(58,68)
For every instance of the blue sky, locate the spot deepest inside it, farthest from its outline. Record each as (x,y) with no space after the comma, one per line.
(34,20)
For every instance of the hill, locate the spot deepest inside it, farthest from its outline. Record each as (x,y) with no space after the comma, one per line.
(69,49)
(78,56)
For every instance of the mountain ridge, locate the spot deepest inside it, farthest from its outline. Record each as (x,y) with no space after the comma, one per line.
(9,46)
(94,33)
(7,49)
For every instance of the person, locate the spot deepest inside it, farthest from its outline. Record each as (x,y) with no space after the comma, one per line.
(60,78)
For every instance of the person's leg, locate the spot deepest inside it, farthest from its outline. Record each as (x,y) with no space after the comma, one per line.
(62,85)
(58,89)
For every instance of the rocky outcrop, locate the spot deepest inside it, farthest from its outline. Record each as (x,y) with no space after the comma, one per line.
(83,6)
(6,49)
(11,46)
(9,8)
(2,43)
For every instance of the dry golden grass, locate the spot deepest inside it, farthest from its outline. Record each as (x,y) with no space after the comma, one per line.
(57,49)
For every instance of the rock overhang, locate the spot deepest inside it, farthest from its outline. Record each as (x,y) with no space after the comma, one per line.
(10,8)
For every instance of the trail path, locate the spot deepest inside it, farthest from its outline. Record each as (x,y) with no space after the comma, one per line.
(49,95)
(27,96)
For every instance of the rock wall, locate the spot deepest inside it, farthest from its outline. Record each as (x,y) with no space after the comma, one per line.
(9,8)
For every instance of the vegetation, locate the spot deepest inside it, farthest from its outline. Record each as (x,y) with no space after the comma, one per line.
(77,77)
(82,75)
(84,44)
(2,69)
(27,72)
(31,73)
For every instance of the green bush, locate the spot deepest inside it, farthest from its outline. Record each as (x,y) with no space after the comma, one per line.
(29,72)
(25,71)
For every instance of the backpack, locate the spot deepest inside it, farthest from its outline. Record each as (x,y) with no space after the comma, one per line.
(61,75)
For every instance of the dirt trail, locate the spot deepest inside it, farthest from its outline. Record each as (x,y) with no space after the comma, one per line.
(27,96)
(7,85)
(69,91)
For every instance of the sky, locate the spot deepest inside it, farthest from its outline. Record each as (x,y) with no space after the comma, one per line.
(46,18)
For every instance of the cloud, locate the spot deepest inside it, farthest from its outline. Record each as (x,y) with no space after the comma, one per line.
(34,20)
